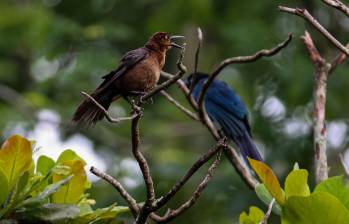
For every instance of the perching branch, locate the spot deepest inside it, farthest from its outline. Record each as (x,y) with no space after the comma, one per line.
(106,113)
(338,5)
(308,17)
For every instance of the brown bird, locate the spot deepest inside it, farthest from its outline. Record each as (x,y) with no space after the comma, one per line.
(138,72)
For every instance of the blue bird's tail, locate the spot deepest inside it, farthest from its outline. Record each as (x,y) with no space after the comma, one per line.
(248,147)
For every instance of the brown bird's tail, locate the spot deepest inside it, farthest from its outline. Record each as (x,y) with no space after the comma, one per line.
(88,112)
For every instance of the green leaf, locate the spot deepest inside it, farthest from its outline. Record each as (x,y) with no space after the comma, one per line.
(319,208)
(15,194)
(267,176)
(336,187)
(15,158)
(52,213)
(49,190)
(72,192)
(4,187)
(255,216)
(296,183)
(44,165)
(265,196)
(87,215)
(69,155)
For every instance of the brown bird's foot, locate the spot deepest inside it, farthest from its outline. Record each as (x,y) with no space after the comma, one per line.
(142,101)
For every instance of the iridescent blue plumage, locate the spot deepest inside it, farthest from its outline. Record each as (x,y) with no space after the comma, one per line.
(227,110)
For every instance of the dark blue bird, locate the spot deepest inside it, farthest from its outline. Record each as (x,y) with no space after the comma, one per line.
(226,109)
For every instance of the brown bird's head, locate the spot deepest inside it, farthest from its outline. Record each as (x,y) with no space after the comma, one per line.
(162,41)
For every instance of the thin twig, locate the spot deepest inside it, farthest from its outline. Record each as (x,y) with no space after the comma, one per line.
(267,214)
(308,17)
(196,195)
(243,172)
(240,60)
(184,89)
(195,167)
(179,106)
(106,113)
(319,96)
(132,203)
(338,61)
(182,70)
(338,5)
(143,164)
(346,169)
(200,37)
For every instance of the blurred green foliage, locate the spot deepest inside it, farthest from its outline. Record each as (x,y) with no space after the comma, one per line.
(50,50)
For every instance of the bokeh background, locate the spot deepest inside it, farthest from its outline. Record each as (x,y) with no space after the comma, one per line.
(50,50)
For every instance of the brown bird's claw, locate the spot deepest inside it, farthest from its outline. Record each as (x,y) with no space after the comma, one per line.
(142,101)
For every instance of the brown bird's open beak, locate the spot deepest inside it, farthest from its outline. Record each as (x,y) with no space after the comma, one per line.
(173,44)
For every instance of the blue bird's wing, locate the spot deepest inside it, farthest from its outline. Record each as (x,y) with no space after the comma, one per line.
(226,108)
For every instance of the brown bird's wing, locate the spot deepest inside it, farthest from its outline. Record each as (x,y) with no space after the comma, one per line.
(129,60)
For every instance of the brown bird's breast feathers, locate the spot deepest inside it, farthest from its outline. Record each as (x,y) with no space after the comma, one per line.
(143,76)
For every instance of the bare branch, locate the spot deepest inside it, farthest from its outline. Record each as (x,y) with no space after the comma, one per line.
(319,92)
(142,162)
(179,106)
(200,37)
(243,172)
(267,215)
(132,204)
(182,70)
(313,52)
(196,195)
(346,169)
(338,61)
(338,5)
(195,167)
(106,113)
(308,17)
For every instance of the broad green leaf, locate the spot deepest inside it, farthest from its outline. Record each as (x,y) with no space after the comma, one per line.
(42,196)
(44,164)
(4,187)
(72,192)
(336,187)
(265,196)
(255,216)
(87,215)
(51,213)
(69,155)
(267,176)
(14,198)
(296,183)
(319,208)
(15,158)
